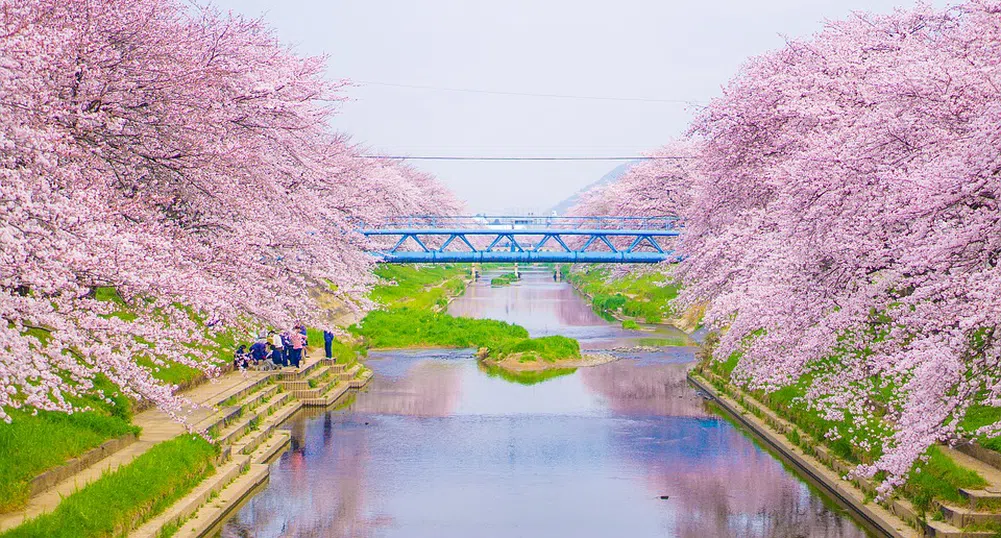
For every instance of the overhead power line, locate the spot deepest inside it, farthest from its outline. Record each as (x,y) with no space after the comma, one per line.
(566,158)
(529,94)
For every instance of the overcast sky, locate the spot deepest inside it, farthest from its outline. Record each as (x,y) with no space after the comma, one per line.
(639,49)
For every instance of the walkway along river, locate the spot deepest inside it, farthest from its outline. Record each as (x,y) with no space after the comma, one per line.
(438,447)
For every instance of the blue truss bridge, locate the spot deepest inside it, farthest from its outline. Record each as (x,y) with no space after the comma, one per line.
(521,239)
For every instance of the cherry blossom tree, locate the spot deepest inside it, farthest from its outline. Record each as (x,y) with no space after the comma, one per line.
(842,221)
(184,157)
(659,187)
(846,223)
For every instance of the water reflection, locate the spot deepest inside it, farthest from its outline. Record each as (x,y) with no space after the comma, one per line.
(546,307)
(436,447)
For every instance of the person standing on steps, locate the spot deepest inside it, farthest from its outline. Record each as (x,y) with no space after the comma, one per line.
(287,348)
(328,344)
(277,348)
(305,338)
(297,343)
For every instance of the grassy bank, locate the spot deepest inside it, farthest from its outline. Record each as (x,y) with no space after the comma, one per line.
(32,444)
(418,287)
(124,499)
(35,442)
(412,300)
(938,479)
(645,296)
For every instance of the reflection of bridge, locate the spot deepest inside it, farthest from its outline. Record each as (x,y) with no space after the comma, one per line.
(525,239)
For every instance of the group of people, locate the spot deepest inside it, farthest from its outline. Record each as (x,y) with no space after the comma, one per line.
(279,349)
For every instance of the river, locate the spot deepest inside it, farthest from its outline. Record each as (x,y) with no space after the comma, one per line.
(436,446)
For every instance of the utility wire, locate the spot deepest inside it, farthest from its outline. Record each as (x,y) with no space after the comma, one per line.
(465,158)
(528,94)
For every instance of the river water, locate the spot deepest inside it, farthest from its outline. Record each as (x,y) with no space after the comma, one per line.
(436,446)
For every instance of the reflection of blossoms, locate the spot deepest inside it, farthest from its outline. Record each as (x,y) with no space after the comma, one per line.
(430,389)
(655,389)
(744,493)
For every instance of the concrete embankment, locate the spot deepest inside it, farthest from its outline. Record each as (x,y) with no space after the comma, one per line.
(875,515)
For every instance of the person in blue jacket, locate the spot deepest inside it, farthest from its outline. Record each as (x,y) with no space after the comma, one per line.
(328,344)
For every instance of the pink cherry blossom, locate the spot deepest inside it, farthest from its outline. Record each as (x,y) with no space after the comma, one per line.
(184,157)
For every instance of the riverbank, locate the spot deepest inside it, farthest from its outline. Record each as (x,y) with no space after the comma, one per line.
(241,412)
(875,515)
(412,315)
(641,297)
(952,496)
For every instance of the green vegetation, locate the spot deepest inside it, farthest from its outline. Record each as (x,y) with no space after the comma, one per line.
(547,348)
(412,298)
(504,280)
(406,327)
(940,479)
(33,443)
(978,416)
(645,296)
(418,287)
(630,325)
(937,479)
(343,353)
(664,342)
(124,499)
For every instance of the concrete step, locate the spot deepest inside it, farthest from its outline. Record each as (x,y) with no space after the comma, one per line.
(239,391)
(290,373)
(335,391)
(273,446)
(982,499)
(361,379)
(188,505)
(316,375)
(941,529)
(213,512)
(305,393)
(267,424)
(239,427)
(965,517)
(226,415)
(350,373)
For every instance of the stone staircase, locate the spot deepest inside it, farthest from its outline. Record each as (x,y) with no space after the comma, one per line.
(245,426)
(241,411)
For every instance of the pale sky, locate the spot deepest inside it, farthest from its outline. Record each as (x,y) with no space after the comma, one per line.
(642,49)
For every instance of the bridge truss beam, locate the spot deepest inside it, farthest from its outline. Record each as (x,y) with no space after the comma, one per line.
(534,245)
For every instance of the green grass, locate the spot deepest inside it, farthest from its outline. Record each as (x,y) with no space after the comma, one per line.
(547,348)
(420,287)
(630,325)
(121,501)
(504,280)
(405,327)
(644,296)
(30,444)
(940,478)
(978,416)
(409,318)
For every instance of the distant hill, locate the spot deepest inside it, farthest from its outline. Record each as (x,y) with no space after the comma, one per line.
(617,172)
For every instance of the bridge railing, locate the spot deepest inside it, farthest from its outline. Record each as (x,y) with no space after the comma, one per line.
(514,222)
(420,239)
